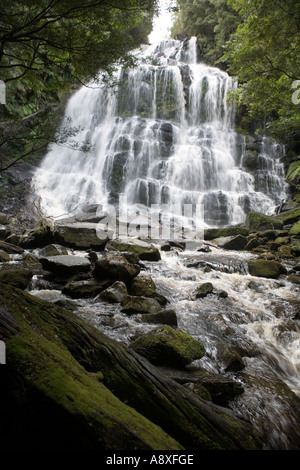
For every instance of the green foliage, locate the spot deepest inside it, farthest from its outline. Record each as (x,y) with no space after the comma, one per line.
(211,21)
(263,54)
(49,46)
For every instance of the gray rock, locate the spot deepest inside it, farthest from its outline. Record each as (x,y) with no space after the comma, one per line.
(66,264)
(115,266)
(144,250)
(115,293)
(139,304)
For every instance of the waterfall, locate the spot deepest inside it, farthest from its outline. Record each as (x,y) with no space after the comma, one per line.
(163,138)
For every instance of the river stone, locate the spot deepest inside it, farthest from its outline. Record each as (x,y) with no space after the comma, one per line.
(295,230)
(53,250)
(66,264)
(113,265)
(166,316)
(4,220)
(81,236)
(260,222)
(230,357)
(115,293)
(41,236)
(144,250)
(204,290)
(166,346)
(89,288)
(237,242)
(212,233)
(15,275)
(139,304)
(142,286)
(4,257)
(11,248)
(222,389)
(265,268)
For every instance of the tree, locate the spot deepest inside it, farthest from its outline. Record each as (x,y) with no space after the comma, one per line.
(49,46)
(264,54)
(211,21)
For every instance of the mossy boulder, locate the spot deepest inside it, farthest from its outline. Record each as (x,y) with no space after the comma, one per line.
(212,233)
(256,221)
(4,257)
(116,293)
(291,216)
(165,316)
(139,304)
(114,266)
(235,242)
(66,265)
(295,230)
(11,248)
(53,250)
(144,250)
(142,285)
(88,288)
(203,290)
(15,275)
(80,236)
(169,347)
(265,268)
(69,386)
(39,237)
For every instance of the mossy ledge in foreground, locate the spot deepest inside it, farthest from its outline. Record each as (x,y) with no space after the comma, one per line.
(68,386)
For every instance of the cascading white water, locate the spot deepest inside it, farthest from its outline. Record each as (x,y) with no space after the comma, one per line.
(163,138)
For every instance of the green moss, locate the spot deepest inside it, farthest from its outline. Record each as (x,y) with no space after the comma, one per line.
(39,356)
(265,268)
(259,222)
(295,230)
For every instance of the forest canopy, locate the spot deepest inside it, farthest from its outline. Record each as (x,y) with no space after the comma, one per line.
(48,46)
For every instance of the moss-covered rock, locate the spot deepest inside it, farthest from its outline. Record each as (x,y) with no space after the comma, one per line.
(39,237)
(114,266)
(53,250)
(139,304)
(116,293)
(81,236)
(290,217)
(259,222)
(212,233)
(68,386)
(265,268)
(88,288)
(142,285)
(295,230)
(165,316)
(15,275)
(4,257)
(144,250)
(235,242)
(166,346)
(203,290)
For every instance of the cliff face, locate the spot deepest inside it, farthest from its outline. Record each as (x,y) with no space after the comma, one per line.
(66,385)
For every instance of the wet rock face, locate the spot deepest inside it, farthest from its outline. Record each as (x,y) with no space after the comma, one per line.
(265,268)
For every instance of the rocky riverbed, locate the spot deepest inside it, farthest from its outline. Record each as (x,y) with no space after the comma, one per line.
(68,295)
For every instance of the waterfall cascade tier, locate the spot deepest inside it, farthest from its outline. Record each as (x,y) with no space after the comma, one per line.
(163,138)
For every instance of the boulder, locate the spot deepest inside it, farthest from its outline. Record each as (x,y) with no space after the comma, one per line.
(80,236)
(41,236)
(166,316)
(166,346)
(66,265)
(142,285)
(113,265)
(116,293)
(53,250)
(139,304)
(11,248)
(4,257)
(265,268)
(222,389)
(203,290)
(212,233)
(230,357)
(235,242)
(295,230)
(89,288)
(144,250)
(256,221)
(15,275)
